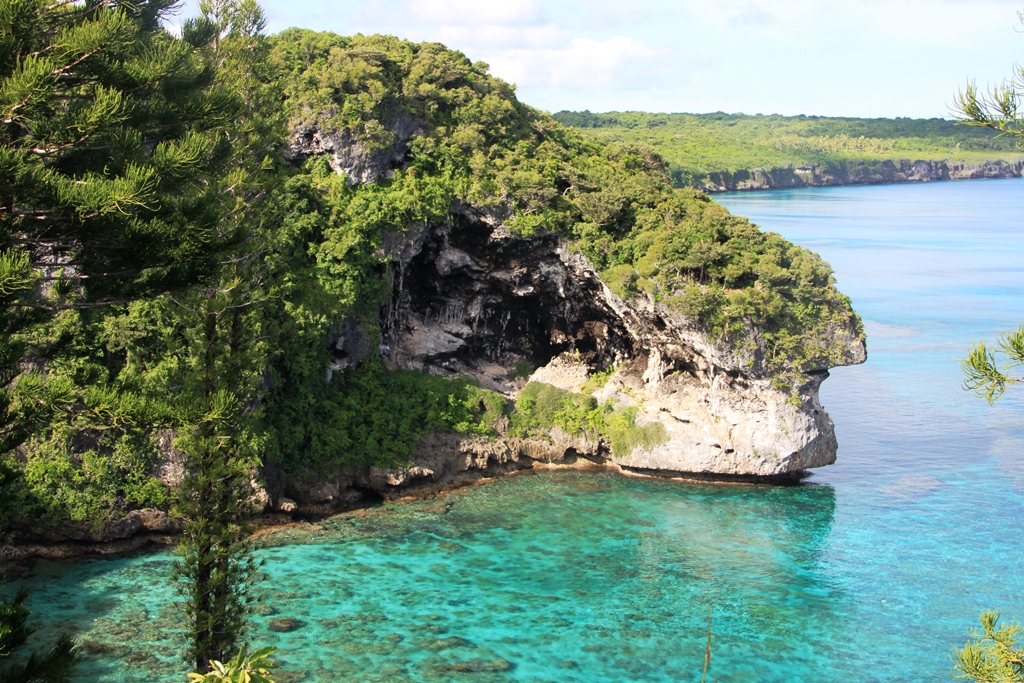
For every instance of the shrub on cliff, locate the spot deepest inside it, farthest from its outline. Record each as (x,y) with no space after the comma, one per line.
(541,406)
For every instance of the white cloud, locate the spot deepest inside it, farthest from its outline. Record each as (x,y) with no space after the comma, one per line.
(475,12)
(605,14)
(584,63)
(491,36)
(752,15)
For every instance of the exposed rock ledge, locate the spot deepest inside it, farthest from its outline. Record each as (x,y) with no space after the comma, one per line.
(860,173)
(442,462)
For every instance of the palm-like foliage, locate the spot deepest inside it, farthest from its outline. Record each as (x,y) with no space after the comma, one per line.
(243,668)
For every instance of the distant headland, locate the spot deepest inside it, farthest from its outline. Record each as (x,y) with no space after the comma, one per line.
(721,152)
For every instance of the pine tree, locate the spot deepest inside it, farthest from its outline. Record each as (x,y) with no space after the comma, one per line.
(223,350)
(110,138)
(111,131)
(992,653)
(985,375)
(216,568)
(111,149)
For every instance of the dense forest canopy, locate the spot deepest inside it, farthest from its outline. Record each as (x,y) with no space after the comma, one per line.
(696,145)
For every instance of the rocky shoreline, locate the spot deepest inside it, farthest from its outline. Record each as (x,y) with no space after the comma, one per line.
(859,173)
(444,463)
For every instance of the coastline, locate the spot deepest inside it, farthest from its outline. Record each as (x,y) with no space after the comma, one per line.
(850,173)
(17,555)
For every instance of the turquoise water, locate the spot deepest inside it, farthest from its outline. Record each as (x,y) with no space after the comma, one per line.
(869,571)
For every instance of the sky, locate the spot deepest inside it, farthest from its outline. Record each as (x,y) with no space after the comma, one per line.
(870,58)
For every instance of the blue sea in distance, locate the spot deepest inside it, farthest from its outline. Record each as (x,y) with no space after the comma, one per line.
(870,570)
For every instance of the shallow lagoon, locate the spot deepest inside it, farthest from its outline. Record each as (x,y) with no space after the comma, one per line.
(869,571)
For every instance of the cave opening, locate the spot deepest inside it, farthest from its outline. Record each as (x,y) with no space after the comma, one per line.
(467,299)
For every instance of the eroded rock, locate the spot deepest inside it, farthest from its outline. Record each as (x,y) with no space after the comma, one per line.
(471,295)
(350,155)
(285,624)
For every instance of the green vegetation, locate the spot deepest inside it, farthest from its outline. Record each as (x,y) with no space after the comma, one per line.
(541,406)
(597,380)
(300,257)
(624,434)
(991,654)
(56,665)
(243,668)
(695,146)
(374,415)
(985,375)
(521,370)
(111,475)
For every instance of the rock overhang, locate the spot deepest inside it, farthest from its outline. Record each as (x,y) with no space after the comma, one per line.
(470,294)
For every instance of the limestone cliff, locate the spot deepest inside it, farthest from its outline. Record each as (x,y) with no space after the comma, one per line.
(860,173)
(471,297)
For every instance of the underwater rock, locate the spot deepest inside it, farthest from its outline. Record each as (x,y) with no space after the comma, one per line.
(476,666)
(95,647)
(445,643)
(285,624)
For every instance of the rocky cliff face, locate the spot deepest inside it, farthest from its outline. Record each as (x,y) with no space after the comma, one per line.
(860,173)
(472,298)
(359,161)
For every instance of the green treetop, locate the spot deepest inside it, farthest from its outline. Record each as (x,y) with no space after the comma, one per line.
(999,108)
(113,162)
(109,138)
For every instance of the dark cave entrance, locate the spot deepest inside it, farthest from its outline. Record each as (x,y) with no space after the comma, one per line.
(501,300)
